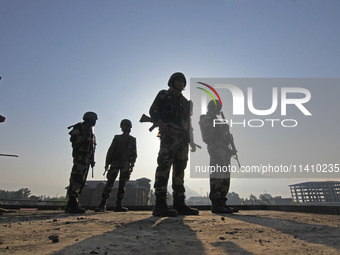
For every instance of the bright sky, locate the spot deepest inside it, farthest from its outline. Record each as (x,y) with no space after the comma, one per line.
(59,59)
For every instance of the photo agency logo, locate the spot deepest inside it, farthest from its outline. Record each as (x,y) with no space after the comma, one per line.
(281,99)
(273,121)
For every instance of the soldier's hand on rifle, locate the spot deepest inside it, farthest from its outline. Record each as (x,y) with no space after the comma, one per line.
(193,146)
(93,164)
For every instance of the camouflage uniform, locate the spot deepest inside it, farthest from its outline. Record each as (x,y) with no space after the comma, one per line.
(172,109)
(83,143)
(121,156)
(218,140)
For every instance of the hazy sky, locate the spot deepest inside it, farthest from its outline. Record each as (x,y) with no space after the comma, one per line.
(59,59)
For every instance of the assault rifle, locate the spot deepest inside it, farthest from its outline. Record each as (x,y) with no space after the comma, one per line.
(232,144)
(146,118)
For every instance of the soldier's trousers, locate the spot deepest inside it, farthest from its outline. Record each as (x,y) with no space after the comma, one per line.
(219,180)
(124,177)
(173,152)
(78,176)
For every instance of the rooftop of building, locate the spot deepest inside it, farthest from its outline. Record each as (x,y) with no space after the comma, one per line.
(315,183)
(246,232)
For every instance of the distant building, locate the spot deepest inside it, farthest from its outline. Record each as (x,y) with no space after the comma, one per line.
(326,191)
(280,201)
(137,193)
(34,198)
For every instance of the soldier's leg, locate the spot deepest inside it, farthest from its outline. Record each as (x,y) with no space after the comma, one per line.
(179,165)
(124,177)
(226,186)
(219,183)
(219,188)
(165,159)
(87,167)
(178,168)
(111,177)
(78,177)
(225,180)
(76,183)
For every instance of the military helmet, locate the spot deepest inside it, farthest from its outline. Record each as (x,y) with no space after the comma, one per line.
(212,106)
(90,115)
(126,122)
(174,76)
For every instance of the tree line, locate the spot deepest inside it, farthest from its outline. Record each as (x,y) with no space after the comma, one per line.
(24,194)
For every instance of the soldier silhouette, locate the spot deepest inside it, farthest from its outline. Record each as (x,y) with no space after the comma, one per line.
(83,143)
(171,112)
(121,157)
(218,142)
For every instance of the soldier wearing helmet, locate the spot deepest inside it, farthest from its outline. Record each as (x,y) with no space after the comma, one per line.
(83,143)
(171,111)
(218,140)
(121,157)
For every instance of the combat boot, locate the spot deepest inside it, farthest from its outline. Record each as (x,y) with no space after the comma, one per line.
(74,207)
(161,208)
(182,208)
(219,206)
(101,207)
(223,201)
(119,207)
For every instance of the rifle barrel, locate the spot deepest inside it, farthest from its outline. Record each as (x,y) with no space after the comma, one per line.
(9,155)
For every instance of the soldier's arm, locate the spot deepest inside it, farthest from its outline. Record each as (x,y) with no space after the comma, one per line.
(154,111)
(110,151)
(156,114)
(192,141)
(134,152)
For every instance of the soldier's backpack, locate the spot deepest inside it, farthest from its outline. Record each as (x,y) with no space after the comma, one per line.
(205,123)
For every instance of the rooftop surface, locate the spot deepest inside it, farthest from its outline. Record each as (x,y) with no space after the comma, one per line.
(138,232)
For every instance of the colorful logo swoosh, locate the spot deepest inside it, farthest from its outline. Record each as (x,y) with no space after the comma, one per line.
(212,89)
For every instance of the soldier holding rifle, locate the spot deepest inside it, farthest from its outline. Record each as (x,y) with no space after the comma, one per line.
(170,111)
(83,144)
(220,148)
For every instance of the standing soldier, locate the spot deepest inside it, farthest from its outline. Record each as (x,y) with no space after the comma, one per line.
(218,140)
(121,156)
(171,112)
(83,144)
